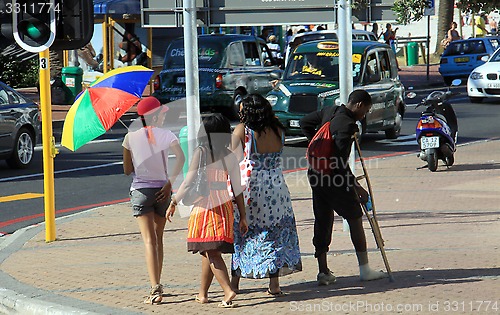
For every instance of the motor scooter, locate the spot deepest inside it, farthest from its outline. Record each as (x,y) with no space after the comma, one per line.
(437,128)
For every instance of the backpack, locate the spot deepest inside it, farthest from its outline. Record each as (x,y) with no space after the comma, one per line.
(320,151)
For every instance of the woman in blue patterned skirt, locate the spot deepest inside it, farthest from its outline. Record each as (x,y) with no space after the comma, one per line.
(270,248)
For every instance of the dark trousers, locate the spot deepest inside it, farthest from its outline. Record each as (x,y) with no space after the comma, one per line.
(328,198)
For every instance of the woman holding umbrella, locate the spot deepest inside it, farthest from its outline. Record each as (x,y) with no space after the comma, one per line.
(145,157)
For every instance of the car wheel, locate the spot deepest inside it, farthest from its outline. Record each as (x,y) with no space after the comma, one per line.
(233,111)
(476,99)
(24,147)
(447,80)
(395,132)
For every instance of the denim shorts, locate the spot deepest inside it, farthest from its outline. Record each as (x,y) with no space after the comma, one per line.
(144,201)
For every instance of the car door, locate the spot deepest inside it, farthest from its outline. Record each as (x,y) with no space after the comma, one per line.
(387,85)
(7,120)
(372,83)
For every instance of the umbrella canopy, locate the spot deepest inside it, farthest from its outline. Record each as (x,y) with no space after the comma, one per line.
(100,106)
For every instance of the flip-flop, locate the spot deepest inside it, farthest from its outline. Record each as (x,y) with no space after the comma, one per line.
(224,304)
(197,299)
(276,294)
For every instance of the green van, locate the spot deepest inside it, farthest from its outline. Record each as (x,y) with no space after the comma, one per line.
(311,81)
(230,65)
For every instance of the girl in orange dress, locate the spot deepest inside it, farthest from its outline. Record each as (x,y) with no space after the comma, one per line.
(210,227)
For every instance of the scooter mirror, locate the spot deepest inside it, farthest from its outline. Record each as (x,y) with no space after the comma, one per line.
(411,95)
(456,82)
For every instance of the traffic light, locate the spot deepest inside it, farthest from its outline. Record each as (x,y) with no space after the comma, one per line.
(34,24)
(75,24)
(6,37)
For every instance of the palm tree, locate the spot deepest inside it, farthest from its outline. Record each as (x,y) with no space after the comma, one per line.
(445,17)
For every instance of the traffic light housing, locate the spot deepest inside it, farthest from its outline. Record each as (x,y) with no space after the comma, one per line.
(34,24)
(74,24)
(6,36)
(58,24)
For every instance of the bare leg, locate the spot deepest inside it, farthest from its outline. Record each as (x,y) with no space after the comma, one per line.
(322,263)
(219,270)
(149,237)
(206,279)
(159,227)
(274,284)
(358,239)
(235,283)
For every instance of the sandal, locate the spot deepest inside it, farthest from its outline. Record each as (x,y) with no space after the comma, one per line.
(224,304)
(201,301)
(155,295)
(276,294)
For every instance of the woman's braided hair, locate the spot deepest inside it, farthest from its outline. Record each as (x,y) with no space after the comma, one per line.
(258,115)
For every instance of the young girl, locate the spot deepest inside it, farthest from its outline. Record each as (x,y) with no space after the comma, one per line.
(144,155)
(210,227)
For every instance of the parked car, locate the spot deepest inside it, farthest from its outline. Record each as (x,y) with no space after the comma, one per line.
(19,127)
(229,66)
(300,38)
(311,81)
(484,81)
(462,56)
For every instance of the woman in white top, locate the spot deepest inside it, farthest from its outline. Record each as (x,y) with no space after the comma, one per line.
(145,153)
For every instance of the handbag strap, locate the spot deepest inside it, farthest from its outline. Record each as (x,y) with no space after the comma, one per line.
(227,170)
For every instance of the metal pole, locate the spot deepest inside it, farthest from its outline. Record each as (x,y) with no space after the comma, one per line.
(48,147)
(345,63)
(428,43)
(192,78)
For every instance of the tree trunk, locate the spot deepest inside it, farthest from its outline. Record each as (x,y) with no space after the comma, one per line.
(445,17)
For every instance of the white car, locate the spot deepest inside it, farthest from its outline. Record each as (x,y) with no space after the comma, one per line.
(484,81)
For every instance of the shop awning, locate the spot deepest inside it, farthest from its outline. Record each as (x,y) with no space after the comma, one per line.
(117,7)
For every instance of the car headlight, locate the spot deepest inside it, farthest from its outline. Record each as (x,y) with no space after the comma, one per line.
(272,99)
(476,75)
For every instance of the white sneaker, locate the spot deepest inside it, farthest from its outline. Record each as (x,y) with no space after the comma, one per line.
(326,278)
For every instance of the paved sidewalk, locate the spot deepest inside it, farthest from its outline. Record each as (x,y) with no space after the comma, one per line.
(441,234)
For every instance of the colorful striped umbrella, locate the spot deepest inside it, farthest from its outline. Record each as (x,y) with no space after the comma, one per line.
(99,107)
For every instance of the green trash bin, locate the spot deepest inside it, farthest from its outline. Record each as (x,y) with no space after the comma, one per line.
(412,54)
(72,77)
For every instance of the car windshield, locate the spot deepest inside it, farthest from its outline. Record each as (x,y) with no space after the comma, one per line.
(209,54)
(495,57)
(319,66)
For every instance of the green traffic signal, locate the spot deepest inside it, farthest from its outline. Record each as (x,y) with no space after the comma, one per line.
(34,29)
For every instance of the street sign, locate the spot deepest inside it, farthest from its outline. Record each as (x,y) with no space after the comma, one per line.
(430,10)
(168,13)
(268,12)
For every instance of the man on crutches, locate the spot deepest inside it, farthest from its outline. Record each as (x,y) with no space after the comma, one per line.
(337,189)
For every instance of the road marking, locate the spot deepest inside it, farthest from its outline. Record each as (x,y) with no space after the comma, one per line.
(20,197)
(61,172)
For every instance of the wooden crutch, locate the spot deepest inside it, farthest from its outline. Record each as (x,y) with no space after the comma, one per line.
(371,215)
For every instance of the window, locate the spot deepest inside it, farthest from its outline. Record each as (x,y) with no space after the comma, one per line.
(4,97)
(385,64)
(235,56)
(252,57)
(372,69)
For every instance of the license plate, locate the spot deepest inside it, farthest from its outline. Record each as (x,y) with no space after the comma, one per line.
(429,143)
(294,123)
(462,59)
(494,85)
(181,80)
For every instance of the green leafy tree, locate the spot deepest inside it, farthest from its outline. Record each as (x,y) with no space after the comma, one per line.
(413,10)
(18,73)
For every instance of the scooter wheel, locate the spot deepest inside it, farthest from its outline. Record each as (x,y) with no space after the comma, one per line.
(432,162)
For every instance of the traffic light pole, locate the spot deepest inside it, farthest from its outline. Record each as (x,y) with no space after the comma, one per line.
(48,147)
